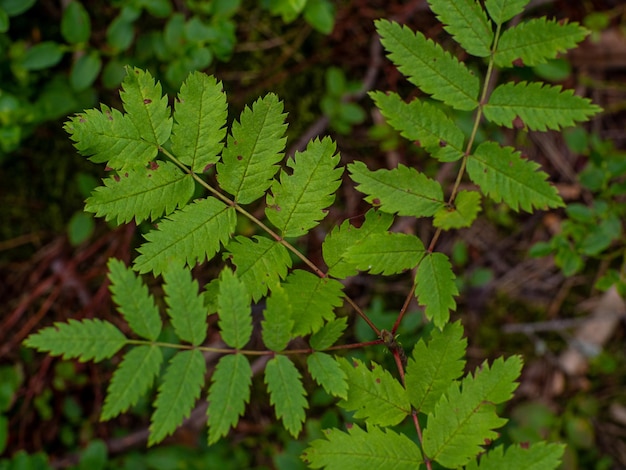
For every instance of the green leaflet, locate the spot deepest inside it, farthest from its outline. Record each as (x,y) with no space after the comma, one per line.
(535,41)
(189,236)
(254,148)
(326,336)
(462,422)
(402,190)
(146,106)
(504,175)
(286,393)
(296,203)
(386,253)
(328,373)
(536,456)
(434,365)
(144,193)
(132,379)
(233,307)
(374,394)
(358,449)
(503,10)
(182,382)
(429,67)
(134,301)
(345,236)
(200,113)
(261,263)
(435,288)
(466,208)
(278,322)
(86,340)
(185,306)
(423,123)
(467,22)
(313,300)
(538,106)
(228,395)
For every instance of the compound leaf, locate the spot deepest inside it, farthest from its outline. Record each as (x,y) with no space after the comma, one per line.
(402,190)
(326,336)
(182,382)
(535,41)
(423,123)
(462,214)
(200,114)
(313,300)
(228,395)
(86,340)
(374,394)
(144,193)
(327,372)
(358,449)
(386,253)
(467,22)
(185,306)
(433,365)
(536,456)
(429,67)
(132,379)
(134,301)
(255,146)
(188,236)
(286,393)
(435,287)
(343,237)
(296,203)
(261,263)
(233,308)
(538,106)
(503,10)
(278,321)
(504,175)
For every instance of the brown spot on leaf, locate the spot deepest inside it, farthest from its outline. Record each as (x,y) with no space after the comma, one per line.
(418,143)
(443,143)
(239,157)
(377,380)
(524,445)
(82,120)
(376,202)
(116,178)
(355,364)
(108,168)
(518,123)
(154,165)
(126,175)
(147,101)
(208,167)
(518,62)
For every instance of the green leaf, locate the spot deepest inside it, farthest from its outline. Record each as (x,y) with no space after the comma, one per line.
(85,71)
(188,236)
(467,22)
(134,301)
(200,113)
(75,23)
(255,146)
(326,336)
(146,106)
(328,373)
(313,300)
(504,175)
(228,395)
(278,320)
(358,449)
(132,379)
(429,67)
(503,10)
(423,123)
(145,193)
(463,421)
(536,456)
(86,340)
(286,393)
(185,306)
(538,106)
(16,7)
(402,190)
(261,263)
(320,14)
(41,56)
(462,214)
(182,382)
(535,41)
(386,253)
(297,202)
(434,365)
(343,237)
(435,288)
(374,394)
(233,307)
